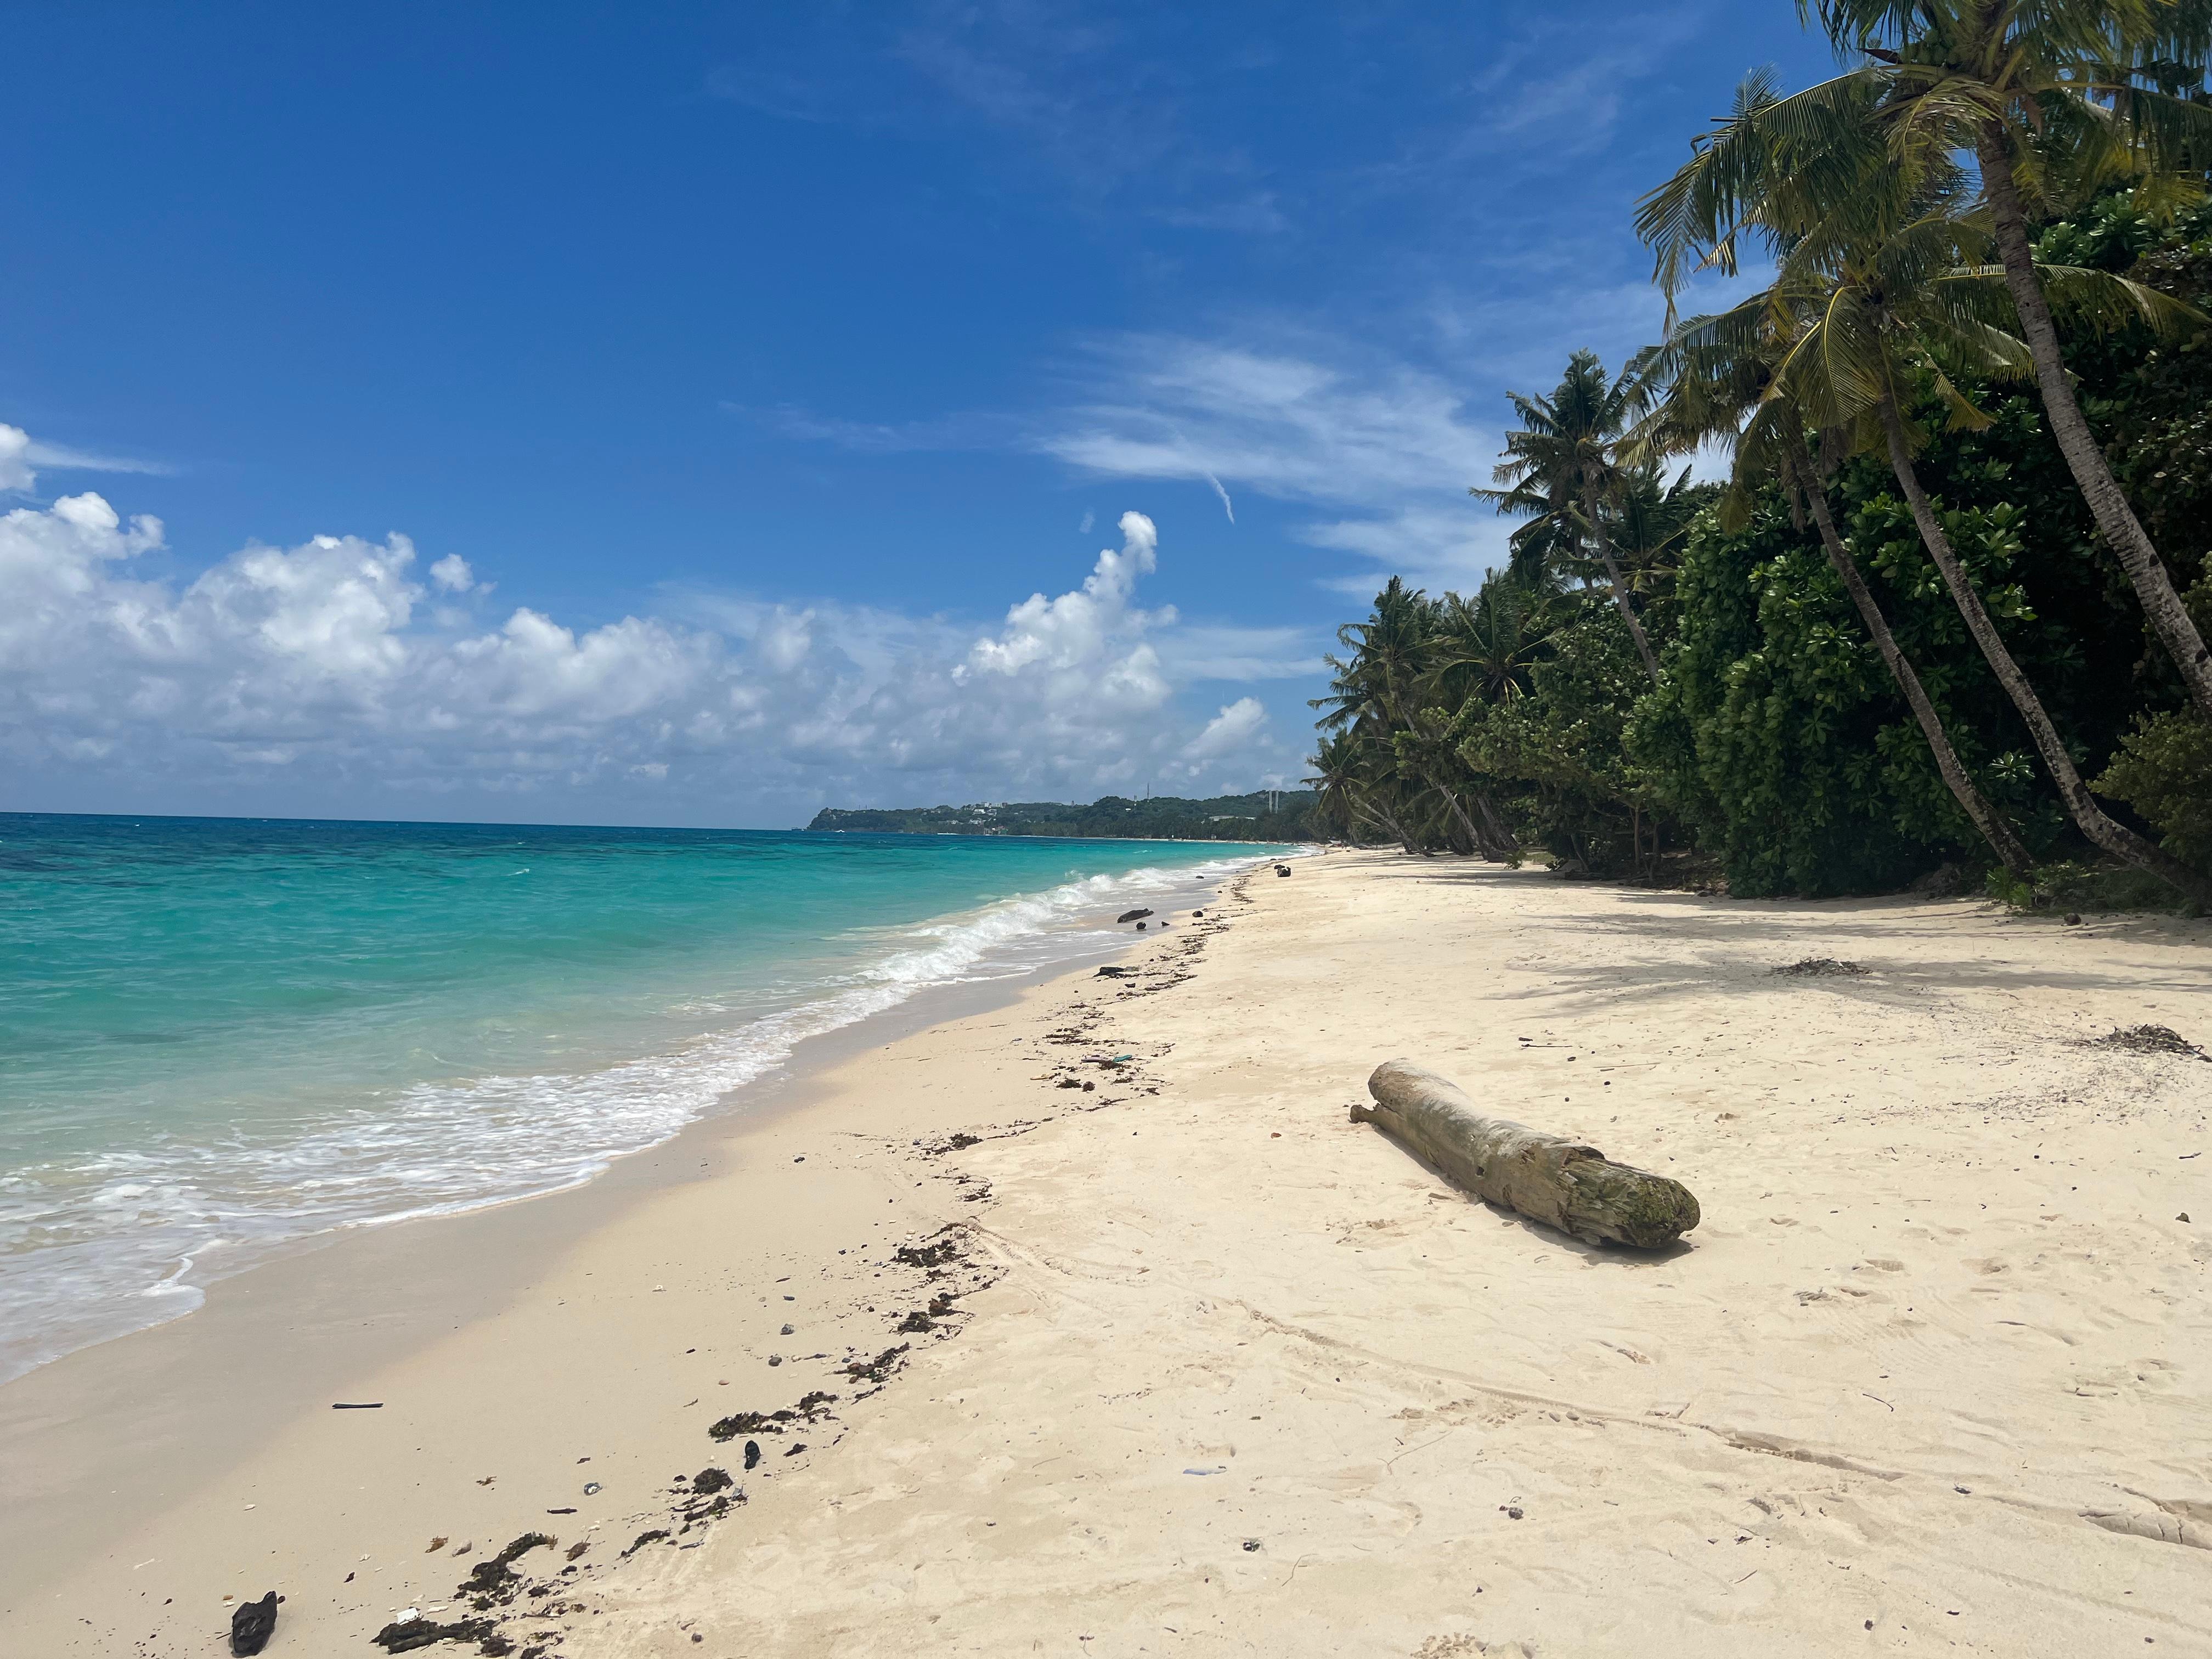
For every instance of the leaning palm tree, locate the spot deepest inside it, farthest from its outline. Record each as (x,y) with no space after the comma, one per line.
(1919,294)
(2036,91)
(1356,772)
(1713,381)
(1427,749)
(1561,466)
(1373,696)
(1340,779)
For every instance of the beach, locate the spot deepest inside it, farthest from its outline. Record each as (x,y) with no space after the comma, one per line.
(1187,1361)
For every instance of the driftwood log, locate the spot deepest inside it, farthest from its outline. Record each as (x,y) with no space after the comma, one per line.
(1546,1177)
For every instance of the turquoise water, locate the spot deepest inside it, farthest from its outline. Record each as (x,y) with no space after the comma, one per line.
(219,1036)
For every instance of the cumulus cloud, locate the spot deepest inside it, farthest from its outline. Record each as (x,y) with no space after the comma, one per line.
(1072,632)
(452,574)
(324,672)
(1229,731)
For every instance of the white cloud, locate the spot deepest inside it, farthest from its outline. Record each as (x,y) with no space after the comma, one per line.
(1439,544)
(1073,632)
(326,665)
(15,458)
(1232,729)
(1195,651)
(1560,84)
(1390,444)
(20,454)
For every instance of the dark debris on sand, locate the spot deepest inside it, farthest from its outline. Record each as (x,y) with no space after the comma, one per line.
(935,1254)
(2149,1039)
(252,1623)
(496,1578)
(811,1407)
(1823,967)
(407,1635)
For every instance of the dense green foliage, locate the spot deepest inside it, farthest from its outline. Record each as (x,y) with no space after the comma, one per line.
(1281,816)
(1776,744)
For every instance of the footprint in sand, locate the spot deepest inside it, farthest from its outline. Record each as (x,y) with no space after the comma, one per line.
(1887,1263)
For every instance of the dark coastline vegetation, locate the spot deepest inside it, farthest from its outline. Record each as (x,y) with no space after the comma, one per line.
(1946,611)
(1282,814)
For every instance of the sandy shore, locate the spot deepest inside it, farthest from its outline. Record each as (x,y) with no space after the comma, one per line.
(1215,1370)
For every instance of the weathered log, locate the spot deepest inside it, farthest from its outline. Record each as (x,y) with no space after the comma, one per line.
(1546,1177)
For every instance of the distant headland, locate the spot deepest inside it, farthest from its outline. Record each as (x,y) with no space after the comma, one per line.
(1266,815)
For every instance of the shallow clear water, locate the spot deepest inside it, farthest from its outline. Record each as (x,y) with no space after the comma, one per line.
(218,1036)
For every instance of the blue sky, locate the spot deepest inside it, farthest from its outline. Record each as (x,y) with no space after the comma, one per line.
(734,376)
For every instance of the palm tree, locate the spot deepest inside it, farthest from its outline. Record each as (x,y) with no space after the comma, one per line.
(1356,773)
(1386,660)
(1391,751)
(1878,303)
(1488,647)
(2037,93)
(1653,520)
(1560,465)
(1371,698)
(1341,778)
(1426,748)
(1715,380)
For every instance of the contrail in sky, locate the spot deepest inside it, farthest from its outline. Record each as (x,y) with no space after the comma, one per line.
(1226,506)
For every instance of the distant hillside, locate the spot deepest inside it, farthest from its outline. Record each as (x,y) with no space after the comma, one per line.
(1162,817)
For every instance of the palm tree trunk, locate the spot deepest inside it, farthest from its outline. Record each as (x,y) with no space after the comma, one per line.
(1986,818)
(2122,532)
(1474,831)
(1466,824)
(2116,839)
(1499,834)
(1390,822)
(1620,587)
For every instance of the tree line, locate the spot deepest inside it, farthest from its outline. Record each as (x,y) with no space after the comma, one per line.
(1282,815)
(1947,601)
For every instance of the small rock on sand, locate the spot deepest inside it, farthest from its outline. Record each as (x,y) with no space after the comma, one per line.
(252,1624)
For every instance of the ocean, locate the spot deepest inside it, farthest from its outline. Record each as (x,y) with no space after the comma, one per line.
(220,1037)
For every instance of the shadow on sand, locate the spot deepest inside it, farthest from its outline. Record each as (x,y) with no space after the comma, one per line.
(1745,940)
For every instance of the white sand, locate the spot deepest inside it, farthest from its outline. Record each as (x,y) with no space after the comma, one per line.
(1250,1381)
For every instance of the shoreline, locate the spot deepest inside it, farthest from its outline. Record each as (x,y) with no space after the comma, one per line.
(1222,1368)
(59,1421)
(1073,939)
